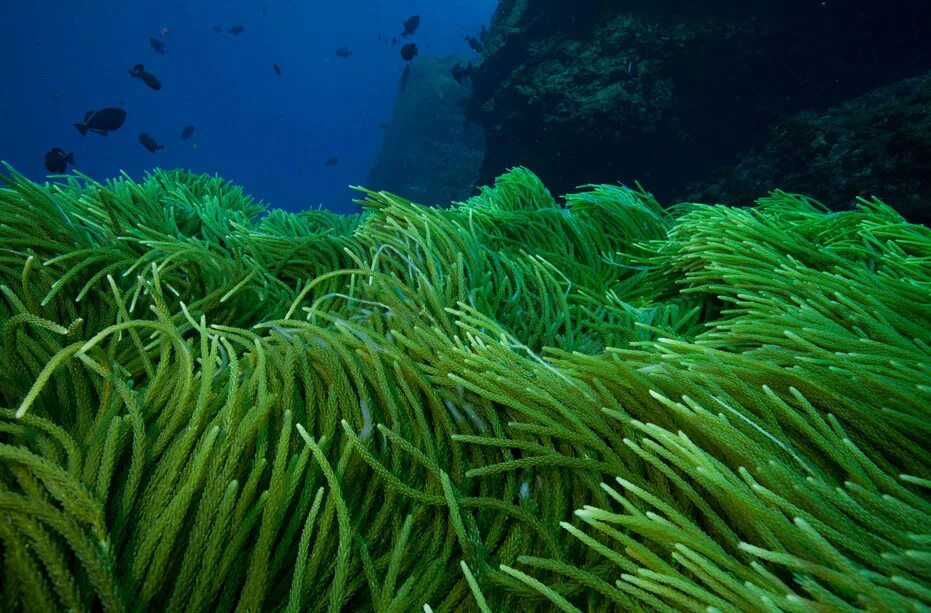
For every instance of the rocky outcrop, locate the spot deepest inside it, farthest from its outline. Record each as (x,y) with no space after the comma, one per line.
(663,93)
(428,153)
(876,145)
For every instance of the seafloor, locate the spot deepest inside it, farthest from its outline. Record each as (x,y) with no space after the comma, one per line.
(514,404)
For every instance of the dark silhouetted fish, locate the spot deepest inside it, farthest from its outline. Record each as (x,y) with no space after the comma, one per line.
(475,44)
(149,143)
(277,69)
(237,30)
(331,161)
(410,25)
(187,131)
(139,72)
(102,121)
(343,52)
(460,72)
(57,160)
(158,45)
(394,41)
(264,11)
(217,29)
(408,51)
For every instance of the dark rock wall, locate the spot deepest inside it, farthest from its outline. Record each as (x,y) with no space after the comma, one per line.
(429,154)
(876,145)
(665,92)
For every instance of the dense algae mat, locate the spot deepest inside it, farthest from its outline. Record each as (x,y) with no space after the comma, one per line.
(507,405)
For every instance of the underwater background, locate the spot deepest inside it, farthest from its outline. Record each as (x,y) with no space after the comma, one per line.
(629,307)
(272,134)
(714,102)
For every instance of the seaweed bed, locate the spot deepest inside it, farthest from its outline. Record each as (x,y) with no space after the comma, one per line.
(511,404)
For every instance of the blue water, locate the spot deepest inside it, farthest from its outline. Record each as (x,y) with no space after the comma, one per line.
(268,133)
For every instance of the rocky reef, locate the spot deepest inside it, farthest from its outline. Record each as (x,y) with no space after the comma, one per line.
(879,143)
(428,152)
(628,90)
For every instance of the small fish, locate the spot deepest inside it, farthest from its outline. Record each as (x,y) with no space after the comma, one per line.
(410,25)
(460,72)
(633,70)
(187,132)
(264,11)
(277,69)
(408,51)
(149,143)
(102,121)
(394,41)
(157,45)
(165,31)
(236,30)
(217,29)
(331,161)
(56,160)
(139,72)
(475,44)
(343,52)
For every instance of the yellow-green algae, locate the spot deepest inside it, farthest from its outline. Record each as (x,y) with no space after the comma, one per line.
(509,405)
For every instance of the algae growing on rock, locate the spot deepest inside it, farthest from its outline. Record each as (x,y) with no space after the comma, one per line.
(516,403)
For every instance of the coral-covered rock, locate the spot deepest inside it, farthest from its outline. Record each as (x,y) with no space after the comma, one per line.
(665,92)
